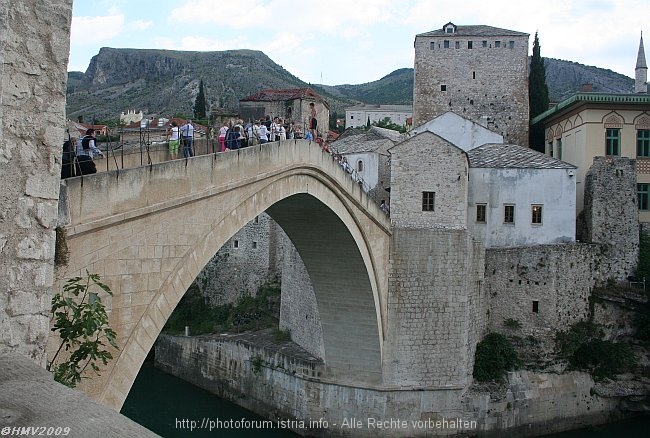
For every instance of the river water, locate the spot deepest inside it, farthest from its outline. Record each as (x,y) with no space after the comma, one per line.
(172,407)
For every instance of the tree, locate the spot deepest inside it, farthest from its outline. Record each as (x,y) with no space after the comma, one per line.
(81,321)
(537,96)
(199,103)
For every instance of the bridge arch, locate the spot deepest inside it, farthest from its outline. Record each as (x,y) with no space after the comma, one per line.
(339,232)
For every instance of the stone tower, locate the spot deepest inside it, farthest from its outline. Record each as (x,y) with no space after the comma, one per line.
(641,71)
(478,72)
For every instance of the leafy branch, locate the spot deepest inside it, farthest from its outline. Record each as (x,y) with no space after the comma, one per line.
(80,318)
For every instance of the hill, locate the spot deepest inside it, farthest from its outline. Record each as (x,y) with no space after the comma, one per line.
(166,82)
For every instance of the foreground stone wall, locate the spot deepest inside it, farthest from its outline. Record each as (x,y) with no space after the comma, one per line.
(435,308)
(559,278)
(294,391)
(35,41)
(611,215)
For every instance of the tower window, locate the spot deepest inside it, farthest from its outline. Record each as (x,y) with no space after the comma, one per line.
(535,306)
(458,44)
(473,75)
(428,201)
(536,216)
(484,43)
(509,214)
(359,166)
(443,88)
(235,243)
(511,44)
(480,213)
(445,44)
(254,245)
(470,45)
(432,45)
(497,44)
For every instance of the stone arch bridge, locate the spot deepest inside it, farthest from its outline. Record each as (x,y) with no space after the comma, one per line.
(148,231)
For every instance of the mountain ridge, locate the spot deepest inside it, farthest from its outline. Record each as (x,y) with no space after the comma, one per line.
(166,82)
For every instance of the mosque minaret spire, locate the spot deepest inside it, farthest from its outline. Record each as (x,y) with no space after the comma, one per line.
(641,70)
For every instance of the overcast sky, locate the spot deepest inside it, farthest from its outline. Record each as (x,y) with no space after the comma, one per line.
(337,42)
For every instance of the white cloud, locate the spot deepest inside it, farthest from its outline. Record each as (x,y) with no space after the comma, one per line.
(141,24)
(95,30)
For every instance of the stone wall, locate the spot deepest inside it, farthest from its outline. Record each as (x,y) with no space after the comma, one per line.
(298,309)
(283,387)
(559,278)
(488,85)
(611,215)
(247,261)
(35,41)
(428,163)
(436,308)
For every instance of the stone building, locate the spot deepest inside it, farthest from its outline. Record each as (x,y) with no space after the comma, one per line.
(479,72)
(361,115)
(520,197)
(290,104)
(367,154)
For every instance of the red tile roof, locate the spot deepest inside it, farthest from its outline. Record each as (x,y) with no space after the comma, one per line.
(271,95)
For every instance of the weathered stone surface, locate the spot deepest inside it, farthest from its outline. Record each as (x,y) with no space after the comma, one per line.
(32,120)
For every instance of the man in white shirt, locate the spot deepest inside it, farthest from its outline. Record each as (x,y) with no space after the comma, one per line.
(86,151)
(187,131)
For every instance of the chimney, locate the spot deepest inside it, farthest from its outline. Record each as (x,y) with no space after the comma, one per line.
(587,88)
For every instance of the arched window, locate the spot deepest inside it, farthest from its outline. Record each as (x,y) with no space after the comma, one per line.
(359,166)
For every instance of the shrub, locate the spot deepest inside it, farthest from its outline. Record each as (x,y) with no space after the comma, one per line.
(494,356)
(603,358)
(512,323)
(80,318)
(568,342)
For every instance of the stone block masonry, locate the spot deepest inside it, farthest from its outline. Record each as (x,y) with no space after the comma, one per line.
(434,279)
(35,41)
(478,72)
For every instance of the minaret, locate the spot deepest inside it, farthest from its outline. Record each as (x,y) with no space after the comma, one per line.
(641,71)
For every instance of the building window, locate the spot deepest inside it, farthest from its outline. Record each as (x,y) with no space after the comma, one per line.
(473,75)
(612,141)
(643,196)
(643,143)
(432,45)
(535,306)
(254,245)
(449,29)
(481,209)
(511,44)
(458,44)
(470,45)
(446,44)
(443,88)
(235,244)
(536,217)
(497,44)
(256,220)
(484,43)
(550,148)
(428,201)
(559,148)
(509,214)
(359,166)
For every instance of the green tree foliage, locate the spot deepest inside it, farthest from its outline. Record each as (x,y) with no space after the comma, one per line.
(200,103)
(388,124)
(494,356)
(81,322)
(249,313)
(604,358)
(537,95)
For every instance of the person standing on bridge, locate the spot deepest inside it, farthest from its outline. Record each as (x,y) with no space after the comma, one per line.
(187,131)
(174,140)
(86,151)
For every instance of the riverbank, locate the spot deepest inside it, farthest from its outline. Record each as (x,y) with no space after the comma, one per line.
(281,382)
